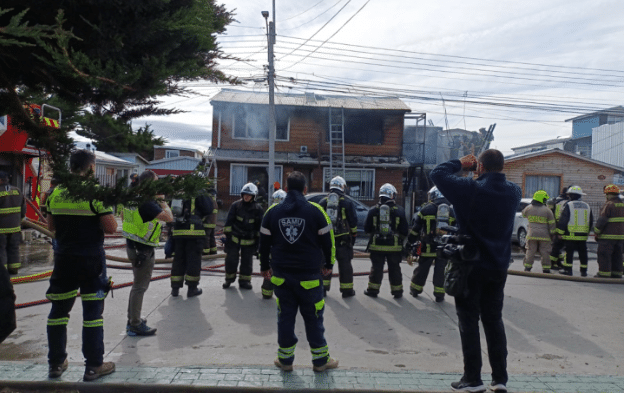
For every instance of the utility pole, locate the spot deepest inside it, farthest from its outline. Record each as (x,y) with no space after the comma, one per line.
(271,80)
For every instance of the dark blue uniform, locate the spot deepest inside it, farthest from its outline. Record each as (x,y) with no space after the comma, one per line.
(297,234)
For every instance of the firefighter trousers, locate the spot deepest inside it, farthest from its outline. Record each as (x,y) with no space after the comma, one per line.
(557,255)
(9,250)
(575,245)
(73,272)
(344,255)
(422,272)
(211,243)
(378,260)
(535,246)
(187,261)
(301,292)
(234,252)
(610,258)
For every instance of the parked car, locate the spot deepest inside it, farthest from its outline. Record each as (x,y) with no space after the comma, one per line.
(360,208)
(521,224)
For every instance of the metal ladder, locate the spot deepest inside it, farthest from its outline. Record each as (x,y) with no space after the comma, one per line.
(211,160)
(336,142)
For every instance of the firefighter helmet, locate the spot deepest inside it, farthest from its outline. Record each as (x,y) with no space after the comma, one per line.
(576,190)
(434,194)
(611,189)
(249,189)
(541,196)
(338,182)
(388,191)
(278,196)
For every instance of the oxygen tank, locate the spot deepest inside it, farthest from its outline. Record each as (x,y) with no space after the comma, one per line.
(332,207)
(442,218)
(384,221)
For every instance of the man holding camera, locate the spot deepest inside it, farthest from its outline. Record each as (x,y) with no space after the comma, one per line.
(485,210)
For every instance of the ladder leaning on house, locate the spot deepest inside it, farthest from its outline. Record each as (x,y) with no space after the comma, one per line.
(211,161)
(336,142)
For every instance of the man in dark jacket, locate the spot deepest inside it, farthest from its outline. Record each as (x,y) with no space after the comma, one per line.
(485,209)
(297,235)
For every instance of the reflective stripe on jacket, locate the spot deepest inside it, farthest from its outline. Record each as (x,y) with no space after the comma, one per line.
(610,224)
(11,202)
(541,222)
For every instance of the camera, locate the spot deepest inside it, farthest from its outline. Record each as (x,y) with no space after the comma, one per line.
(457,246)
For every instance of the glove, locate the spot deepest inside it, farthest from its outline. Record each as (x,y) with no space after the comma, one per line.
(410,260)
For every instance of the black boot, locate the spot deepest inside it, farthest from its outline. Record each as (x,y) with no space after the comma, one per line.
(567,271)
(348,293)
(414,292)
(175,291)
(370,293)
(193,291)
(244,284)
(583,272)
(226,284)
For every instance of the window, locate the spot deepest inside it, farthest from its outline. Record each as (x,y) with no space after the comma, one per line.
(3,123)
(614,119)
(253,123)
(361,182)
(550,184)
(172,153)
(243,174)
(361,127)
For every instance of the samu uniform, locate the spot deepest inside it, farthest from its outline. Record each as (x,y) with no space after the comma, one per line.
(296,234)
(142,232)
(345,231)
(556,254)
(189,234)
(609,232)
(12,210)
(210,223)
(386,249)
(242,228)
(574,224)
(541,229)
(78,264)
(425,228)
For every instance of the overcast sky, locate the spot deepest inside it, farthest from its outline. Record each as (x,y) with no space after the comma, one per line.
(525,65)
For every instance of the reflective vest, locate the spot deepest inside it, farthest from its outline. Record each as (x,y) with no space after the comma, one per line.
(578,225)
(381,243)
(135,229)
(11,201)
(559,208)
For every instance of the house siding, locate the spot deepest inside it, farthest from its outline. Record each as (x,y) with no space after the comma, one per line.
(159,154)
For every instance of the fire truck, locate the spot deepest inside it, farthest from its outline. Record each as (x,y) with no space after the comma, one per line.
(27,164)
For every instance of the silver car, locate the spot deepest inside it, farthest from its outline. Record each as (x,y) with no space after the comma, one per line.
(521,224)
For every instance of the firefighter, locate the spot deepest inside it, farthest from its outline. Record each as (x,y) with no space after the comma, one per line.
(12,210)
(267,286)
(189,237)
(210,224)
(434,215)
(387,226)
(242,230)
(341,212)
(557,254)
(541,231)
(573,226)
(609,232)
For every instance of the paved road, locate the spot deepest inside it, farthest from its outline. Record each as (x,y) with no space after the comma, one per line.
(563,336)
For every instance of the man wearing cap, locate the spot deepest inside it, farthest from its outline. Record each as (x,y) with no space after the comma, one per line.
(609,232)
(573,227)
(541,230)
(12,210)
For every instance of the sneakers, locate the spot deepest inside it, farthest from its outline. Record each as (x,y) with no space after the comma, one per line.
(93,373)
(244,284)
(284,367)
(175,292)
(462,386)
(331,363)
(193,291)
(141,330)
(57,370)
(498,387)
(369,293)
(348,293)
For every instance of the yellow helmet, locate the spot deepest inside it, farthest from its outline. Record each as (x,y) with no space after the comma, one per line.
(541,196)
(611,189)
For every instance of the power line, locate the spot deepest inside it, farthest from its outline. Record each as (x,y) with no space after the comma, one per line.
(301,13)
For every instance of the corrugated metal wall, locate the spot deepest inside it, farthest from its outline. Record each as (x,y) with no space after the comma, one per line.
(608,144)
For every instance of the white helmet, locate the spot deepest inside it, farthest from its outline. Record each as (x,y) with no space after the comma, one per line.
(278,196)
(434,194)
(249,189)
(576,190)
(388,191)
(338,182)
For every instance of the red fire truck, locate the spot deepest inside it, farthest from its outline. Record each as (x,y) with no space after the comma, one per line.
(27,164)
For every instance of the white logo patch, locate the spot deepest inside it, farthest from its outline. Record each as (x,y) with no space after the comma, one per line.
(291,228)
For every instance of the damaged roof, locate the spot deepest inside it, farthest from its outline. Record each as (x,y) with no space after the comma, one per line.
(311,100)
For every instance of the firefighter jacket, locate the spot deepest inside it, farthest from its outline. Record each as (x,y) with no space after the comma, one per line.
(610,224)
(191,224)
(345,227)
(425,226)
(399,228)
(296,237)
(541,221)
(485,208)
(243,222)
(12,209)
(210,221)
(576,221)
(560,202)
(133,228)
